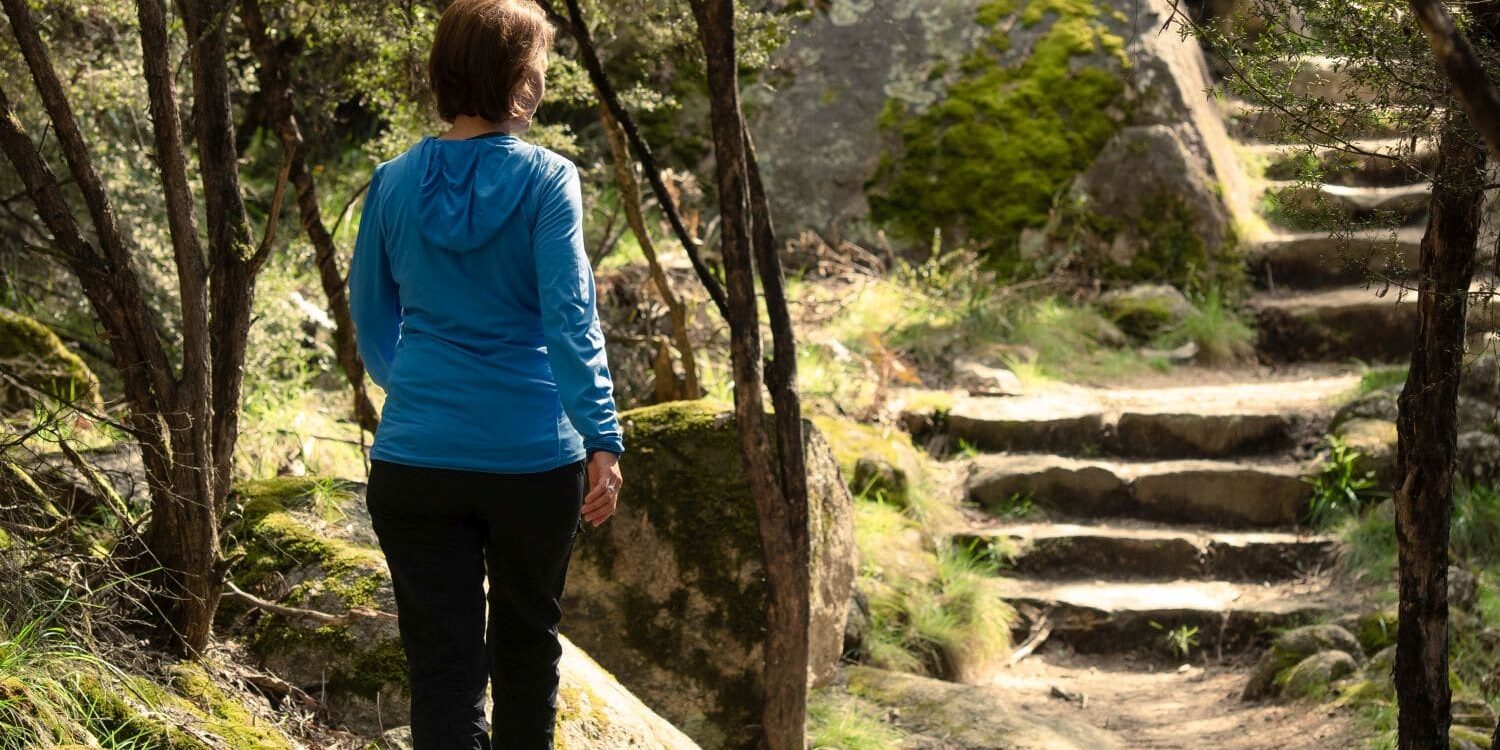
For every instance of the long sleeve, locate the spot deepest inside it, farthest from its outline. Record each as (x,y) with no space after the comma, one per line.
(570,320)
(374,300)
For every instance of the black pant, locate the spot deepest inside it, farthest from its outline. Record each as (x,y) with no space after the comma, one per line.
(440,530)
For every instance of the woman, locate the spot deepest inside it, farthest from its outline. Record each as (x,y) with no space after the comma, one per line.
(473,306)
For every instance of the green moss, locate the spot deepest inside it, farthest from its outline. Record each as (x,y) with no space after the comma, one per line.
(874,461)
(578,705)
(987,159)
(224,717)
(1167,247)
(42,358)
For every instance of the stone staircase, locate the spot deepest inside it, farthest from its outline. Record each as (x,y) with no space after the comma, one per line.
(1125,514)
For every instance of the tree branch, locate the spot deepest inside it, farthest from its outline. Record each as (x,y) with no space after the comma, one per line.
(576,25)
(1471,84)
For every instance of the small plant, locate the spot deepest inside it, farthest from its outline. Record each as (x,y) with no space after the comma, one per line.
(1180,640)
(1340,490)
(1018,506)
(967,449)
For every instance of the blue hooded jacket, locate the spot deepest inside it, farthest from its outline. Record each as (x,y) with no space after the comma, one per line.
(473,305)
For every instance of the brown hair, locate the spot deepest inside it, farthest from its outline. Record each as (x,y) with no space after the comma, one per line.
(484,55)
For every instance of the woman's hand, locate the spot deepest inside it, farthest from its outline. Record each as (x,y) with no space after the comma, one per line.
(604,487)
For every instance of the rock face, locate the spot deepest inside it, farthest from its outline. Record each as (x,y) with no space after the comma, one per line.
(37,356)
(885,98)
(308,543)
(669,595)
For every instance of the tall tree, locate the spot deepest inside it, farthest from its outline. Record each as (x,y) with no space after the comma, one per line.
(185,418)
(779,486)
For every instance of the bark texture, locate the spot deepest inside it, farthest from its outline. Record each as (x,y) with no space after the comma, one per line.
(782,516)
(1427,425)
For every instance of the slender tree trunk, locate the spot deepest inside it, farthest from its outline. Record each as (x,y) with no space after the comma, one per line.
(1427,428)
(630,197)
(744,227)
(276,60)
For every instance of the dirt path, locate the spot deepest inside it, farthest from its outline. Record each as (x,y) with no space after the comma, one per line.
(1197,707)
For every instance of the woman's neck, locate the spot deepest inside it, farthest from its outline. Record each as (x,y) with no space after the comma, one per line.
(468,126)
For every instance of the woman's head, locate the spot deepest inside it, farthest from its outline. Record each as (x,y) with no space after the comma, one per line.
(489,58)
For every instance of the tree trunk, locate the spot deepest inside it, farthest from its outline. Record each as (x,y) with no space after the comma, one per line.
(1427,428)
(630,198)
(186,422)
(742,227)
(275,64)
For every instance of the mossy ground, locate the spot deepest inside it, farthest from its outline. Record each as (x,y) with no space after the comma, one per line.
(39,356)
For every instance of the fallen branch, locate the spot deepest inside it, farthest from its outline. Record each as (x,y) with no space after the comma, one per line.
(354,613)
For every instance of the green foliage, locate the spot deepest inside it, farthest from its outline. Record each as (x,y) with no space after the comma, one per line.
(1180,640)
(985,161)
(1222,335)
(1339,489)
(839,722)
(943,626)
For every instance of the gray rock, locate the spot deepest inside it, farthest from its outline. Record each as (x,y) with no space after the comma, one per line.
(1146,310)
(1380,404)
(1479,457)
(669,595)
(1148,171)
(1312,676)
(1291,648)
(982,379)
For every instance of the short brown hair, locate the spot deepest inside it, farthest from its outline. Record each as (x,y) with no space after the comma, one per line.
(483,54)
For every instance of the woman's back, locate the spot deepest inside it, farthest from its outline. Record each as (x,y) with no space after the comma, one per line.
(474,306)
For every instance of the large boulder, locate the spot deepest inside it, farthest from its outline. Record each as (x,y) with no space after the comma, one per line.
(1148,208)
(669,595)
(307,542)
(969,116)
(35,355)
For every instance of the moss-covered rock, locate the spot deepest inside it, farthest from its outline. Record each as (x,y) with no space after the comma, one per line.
(359,668)
(36,355)
(1146,210)
(1027,109)
(190,713)
(1145,310)
(669,595)
(876,461)
(1314,676)
(1291,648)
(284,550)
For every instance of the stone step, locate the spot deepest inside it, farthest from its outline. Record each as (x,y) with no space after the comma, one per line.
(1230,494)
(1349,323)
(1250,122)
(1142,551)
(1311,260)
(1296,205)
(1119,617)
(1173,422)
(1378,162)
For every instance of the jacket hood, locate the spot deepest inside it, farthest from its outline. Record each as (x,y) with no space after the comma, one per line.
(470,188)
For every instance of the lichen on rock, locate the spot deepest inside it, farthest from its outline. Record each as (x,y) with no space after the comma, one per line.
(669,595)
